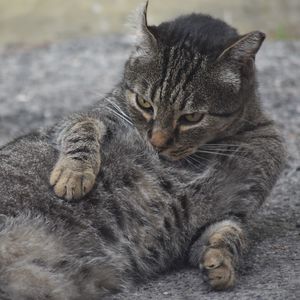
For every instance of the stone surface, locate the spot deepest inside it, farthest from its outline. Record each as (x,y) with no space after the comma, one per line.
(40,85)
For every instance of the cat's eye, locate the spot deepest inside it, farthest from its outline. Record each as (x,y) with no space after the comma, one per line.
(191,118)
(144,104)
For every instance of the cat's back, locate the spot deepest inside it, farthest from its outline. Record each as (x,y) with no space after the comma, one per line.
(201,32)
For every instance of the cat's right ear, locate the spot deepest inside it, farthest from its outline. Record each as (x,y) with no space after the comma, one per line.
(145,39)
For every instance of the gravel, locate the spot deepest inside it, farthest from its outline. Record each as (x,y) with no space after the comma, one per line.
(40,85)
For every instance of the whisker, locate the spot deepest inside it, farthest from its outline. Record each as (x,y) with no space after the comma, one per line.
(209,163)
(224,154)
(212,152)
(189,162)
(119,111)
(196,164)
(197,155)
(117,107)
(226,145)
(237,150)
(197,161)
(119,115)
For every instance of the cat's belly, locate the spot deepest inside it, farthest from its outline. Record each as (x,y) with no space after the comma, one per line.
(127,209)
(25,166)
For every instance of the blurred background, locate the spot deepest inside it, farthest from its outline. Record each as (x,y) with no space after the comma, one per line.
(35,22)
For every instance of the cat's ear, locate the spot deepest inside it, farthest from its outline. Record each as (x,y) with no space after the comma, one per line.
(237,60)
(145,39)
(245,48)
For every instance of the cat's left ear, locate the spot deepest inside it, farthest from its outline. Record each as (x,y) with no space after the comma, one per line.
(237,60)
(245,49)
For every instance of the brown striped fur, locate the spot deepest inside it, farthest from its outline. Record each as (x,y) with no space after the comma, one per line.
(136,212)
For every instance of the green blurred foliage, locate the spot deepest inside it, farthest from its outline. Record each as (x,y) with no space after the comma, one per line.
(39,21)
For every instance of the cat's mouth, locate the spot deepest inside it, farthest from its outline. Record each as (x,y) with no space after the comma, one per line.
(160,149)
(173,154)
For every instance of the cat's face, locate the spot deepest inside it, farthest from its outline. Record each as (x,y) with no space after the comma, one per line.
(177,104)
(179,99)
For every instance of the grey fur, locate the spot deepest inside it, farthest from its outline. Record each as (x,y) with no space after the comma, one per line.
(144,211)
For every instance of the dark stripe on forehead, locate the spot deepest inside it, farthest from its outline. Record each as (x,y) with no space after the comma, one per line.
(175,95)
(165,63)
(184,102)
(184,40)
(193,70)
(187,60)
(180,75)
(177,59)
(169,72)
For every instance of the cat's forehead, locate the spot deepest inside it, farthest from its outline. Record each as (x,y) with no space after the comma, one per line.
(182,77)
(181,53)
(178,100)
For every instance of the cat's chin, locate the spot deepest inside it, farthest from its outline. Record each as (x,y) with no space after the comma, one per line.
(168,157)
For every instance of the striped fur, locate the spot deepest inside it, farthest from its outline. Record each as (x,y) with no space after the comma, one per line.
(143,211)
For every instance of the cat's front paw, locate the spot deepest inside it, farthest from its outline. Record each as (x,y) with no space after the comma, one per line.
(72,179)
(217,267)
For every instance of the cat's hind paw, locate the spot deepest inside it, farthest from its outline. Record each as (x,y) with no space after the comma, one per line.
(71,179)
(217,267)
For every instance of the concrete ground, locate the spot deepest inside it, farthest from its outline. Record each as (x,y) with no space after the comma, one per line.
(40,85)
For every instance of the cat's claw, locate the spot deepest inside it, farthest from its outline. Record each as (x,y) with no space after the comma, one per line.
(217,266)
(71,179)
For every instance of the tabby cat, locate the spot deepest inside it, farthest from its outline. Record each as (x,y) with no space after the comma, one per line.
(167,168)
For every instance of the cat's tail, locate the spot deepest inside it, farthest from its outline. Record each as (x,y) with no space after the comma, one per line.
(34,264)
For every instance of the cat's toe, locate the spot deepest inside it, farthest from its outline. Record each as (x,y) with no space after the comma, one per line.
(218,268)
(71,181)
(55,175)
(222,277)
(79,185)
(212,258)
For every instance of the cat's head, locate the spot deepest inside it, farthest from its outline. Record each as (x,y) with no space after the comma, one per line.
(189,82)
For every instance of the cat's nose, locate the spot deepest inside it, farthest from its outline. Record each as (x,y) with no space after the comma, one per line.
(159,138)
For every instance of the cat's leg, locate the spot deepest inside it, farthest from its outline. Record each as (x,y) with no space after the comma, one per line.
(75,172)
(218,251)
(30,254)
(37,262)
